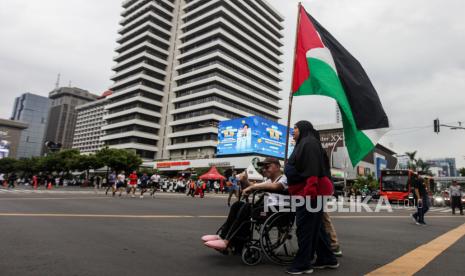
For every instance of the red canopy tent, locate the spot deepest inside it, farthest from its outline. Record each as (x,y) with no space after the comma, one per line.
(212,174)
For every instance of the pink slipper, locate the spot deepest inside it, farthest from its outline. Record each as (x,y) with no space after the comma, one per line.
(217,244)
(208,238)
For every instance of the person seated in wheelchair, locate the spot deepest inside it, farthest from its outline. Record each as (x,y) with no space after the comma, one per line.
(236,230)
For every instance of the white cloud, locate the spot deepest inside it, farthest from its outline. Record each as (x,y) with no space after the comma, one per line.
(412,51)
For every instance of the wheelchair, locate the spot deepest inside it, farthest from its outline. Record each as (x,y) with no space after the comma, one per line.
(270,235)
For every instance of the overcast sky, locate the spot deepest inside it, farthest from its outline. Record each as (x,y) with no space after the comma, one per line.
(412,50)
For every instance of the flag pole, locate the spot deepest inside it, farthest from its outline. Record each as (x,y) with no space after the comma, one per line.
(291,92)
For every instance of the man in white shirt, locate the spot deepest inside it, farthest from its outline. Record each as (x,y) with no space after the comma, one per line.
(155,183)
(241,210)
(455,192)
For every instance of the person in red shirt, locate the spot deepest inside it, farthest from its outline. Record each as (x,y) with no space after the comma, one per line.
(35,181)
(133,183)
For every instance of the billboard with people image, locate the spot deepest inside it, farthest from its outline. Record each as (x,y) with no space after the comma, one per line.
(252,135)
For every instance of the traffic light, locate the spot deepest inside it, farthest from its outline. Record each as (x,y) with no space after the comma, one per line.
(436,126)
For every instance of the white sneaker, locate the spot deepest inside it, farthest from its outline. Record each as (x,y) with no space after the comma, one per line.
(141,197)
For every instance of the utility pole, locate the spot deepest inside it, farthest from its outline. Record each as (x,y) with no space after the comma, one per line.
(438,125)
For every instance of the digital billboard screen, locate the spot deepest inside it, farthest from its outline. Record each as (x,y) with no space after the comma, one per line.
(4,149)
(252,135)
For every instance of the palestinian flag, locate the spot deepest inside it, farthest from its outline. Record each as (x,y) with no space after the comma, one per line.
(324,67)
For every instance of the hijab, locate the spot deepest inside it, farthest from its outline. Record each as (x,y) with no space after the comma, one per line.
(309,158)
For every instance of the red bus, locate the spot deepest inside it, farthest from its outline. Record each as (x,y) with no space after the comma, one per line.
(396,185)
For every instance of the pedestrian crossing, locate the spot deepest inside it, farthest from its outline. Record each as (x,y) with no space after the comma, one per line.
(38,191)
(431,209)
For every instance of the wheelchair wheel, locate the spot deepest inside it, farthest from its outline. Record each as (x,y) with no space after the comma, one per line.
(251,255)
(278,239)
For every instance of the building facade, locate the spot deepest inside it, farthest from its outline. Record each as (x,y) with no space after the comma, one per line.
(379,158)
(89,125)
(62,115)
(444,166)
(10,136)
(32,110)
(183,66)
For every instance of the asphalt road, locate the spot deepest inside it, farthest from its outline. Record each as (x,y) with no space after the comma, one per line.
(87,233)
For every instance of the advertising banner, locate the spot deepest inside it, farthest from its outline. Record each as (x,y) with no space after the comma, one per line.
(252,135)
(4,148)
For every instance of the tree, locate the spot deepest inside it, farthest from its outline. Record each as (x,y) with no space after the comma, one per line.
(88,162)
(28,166)
(68,160)
(368,181)
(119,159)
(412,164)
(8,165)
(462,171)
(423,167)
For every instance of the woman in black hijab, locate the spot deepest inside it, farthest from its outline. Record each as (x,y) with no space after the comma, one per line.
(308,174)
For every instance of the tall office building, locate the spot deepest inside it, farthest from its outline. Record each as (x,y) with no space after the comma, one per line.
(89,124)
(62,115)
(184,65)
(33,110)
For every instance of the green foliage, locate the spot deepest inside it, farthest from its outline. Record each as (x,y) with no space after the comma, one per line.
(423,167)
(8,165)
(368,181)
(66,161)
(119,159)
(462,171)
(412,163)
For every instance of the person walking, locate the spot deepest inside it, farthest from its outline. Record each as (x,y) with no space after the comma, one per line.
(203,188)
(35,181)
(422,201)
(331,230)
(12,180)
(455,192)
(155,183)
(144,182)
(121,178)
(308,173)
(111,182)
(234,188)
(191,188)
(133,183)
(216,186)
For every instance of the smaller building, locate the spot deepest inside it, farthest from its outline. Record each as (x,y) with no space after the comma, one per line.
(63,115)
(32,110)
(10,134)
(444,166)
(89,123)
(379,158)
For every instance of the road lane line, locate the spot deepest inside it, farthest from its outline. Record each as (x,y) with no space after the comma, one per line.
(64,215)
(93,215)
(49,198)
(417,259)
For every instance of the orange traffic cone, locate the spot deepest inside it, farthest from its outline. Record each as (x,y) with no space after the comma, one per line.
(49,186)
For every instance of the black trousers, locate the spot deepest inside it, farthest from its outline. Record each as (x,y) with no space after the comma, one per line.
(422,209)
(456,202)
(237,225)
(312,239)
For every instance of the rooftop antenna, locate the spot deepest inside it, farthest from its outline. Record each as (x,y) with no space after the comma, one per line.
(69,84)
(57,84)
